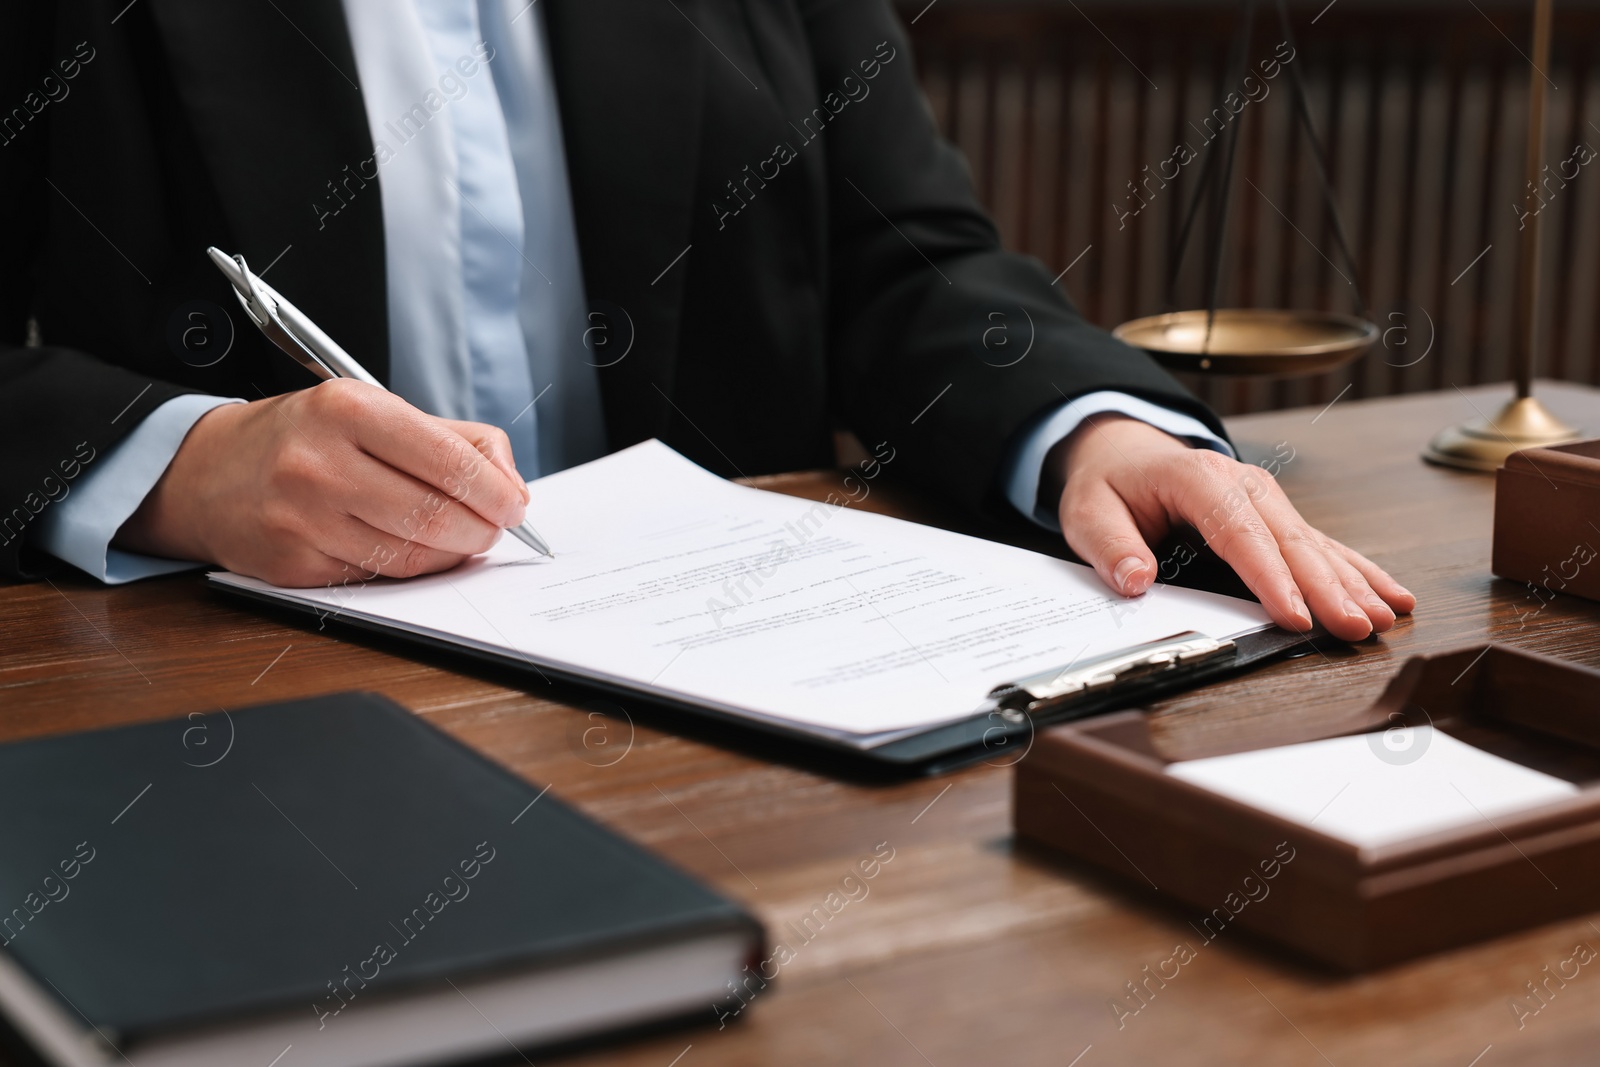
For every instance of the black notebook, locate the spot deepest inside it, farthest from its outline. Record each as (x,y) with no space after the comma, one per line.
(327,882)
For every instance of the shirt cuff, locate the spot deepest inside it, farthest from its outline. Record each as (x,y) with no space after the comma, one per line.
(1025,467)
(79,527)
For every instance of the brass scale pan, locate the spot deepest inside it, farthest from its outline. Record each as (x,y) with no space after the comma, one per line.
(1265,341)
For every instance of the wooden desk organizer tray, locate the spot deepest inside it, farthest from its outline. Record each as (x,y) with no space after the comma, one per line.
(1547,519)
(1100,791)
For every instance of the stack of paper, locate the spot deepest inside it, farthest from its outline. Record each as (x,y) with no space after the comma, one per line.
(668,578)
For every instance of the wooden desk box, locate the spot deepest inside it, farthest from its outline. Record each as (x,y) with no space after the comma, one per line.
(1096,790)
(1547,519)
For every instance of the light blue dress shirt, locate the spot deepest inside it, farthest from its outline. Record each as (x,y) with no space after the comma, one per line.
(484,287)
(79,527)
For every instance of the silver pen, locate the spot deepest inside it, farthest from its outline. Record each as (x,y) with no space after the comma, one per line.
(288,328)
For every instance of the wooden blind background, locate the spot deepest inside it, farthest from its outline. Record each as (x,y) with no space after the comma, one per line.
(1422,110)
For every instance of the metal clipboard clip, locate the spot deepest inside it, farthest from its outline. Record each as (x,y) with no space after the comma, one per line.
(1051,689)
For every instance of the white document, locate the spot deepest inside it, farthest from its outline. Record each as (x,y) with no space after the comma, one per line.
(766,605)
(1374,789)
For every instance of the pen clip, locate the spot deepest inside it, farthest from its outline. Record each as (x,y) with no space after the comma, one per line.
(1050,689)
(263,311)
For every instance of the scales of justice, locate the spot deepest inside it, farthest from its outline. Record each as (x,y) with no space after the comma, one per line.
(1276,342)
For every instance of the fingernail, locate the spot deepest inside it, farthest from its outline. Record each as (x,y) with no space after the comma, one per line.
(1297,608)
(525,494)
(1376,603)
(1124,573)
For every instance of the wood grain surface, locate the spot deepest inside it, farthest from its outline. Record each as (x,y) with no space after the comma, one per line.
(966,949)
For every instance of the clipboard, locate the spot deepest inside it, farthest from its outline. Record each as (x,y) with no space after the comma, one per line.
(1000,730)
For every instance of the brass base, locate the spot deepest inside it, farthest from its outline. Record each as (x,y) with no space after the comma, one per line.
(1484,444)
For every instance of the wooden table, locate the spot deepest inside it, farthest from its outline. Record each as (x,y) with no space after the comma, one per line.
(967,949)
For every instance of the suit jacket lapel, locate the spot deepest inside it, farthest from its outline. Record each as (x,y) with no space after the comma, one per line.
(628,75)
(272,93)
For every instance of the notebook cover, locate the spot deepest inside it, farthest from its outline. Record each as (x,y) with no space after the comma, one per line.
(194,869)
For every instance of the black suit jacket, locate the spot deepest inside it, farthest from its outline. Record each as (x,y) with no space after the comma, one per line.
(839,270)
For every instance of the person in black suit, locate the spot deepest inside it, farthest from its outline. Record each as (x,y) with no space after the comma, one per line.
(773,234)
